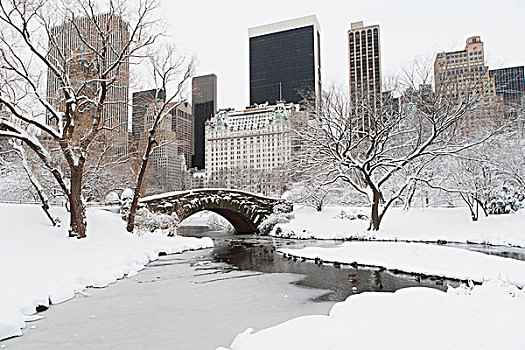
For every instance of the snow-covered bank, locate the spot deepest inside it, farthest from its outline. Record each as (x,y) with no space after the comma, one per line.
(422,258)
(417,224)
(39,265)
(488,317)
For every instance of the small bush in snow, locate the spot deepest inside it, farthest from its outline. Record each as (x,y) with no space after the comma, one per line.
(276,218)
(125,202)
(282,213)
(146,221)
(351,215)
(505,201)
(112,198)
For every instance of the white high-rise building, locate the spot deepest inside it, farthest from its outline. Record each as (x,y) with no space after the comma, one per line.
(246,149)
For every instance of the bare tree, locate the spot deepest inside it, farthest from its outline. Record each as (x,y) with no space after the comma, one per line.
(84,48)
(467,175)
(480,174)
(508,158)
(41,193)
(313,195)
(166,69)
(380,146)
(105,172)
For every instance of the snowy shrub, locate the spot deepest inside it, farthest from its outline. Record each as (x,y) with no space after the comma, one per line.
(127,195)
(125,202)
(351,215)
(278,217)
(146,221)
(282,213)
(504,201)
(282,208)
(112,198)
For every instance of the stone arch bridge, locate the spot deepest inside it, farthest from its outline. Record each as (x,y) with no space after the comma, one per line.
(244,210)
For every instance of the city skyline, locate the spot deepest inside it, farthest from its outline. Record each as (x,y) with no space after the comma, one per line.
(221,47)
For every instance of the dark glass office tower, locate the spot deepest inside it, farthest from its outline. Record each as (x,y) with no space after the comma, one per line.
(204,100)
(510,83)
(285,61)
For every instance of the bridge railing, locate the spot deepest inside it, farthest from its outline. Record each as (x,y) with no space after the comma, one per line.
(197,190)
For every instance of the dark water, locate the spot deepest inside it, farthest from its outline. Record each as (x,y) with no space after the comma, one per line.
(503,251)
(255,253)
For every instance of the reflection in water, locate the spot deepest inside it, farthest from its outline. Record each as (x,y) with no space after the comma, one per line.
(256,253)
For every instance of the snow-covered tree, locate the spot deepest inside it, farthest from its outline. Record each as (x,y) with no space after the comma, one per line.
(32,51)
(381,147)
(467,175)
(268,182)
(106,172)
(488,176)
(312,195)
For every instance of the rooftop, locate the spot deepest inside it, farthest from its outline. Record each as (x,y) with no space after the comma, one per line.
(284,25)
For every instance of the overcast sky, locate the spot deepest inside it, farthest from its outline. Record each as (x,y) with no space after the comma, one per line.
(216,32)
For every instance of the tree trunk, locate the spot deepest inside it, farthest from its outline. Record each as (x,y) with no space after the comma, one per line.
(135,202)
(375,219)
(408,202)
(78,223)
(470,204)
(483,207)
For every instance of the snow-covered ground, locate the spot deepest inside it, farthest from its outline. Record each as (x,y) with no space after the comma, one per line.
(486,317)
(418,224)
(39,265)
(480,317)
(181,302)
(422,258)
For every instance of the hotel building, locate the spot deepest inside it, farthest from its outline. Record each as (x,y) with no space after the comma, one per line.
(248,149)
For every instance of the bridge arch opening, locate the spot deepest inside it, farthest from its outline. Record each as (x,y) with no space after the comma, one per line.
(238,222)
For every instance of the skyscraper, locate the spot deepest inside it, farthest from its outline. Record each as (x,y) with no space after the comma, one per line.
(72,47)
(364,55)
(464,73)
(166,173)
(182,125)
(510,83)
(204,100)
(285,61)
(141,100)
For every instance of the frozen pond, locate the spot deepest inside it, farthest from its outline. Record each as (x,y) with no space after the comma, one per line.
(183,301)
(202,299)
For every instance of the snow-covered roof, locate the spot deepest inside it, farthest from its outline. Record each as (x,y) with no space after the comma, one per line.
(177,193)
(252,118)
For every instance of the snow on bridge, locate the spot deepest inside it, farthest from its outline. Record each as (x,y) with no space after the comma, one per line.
(244,210)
